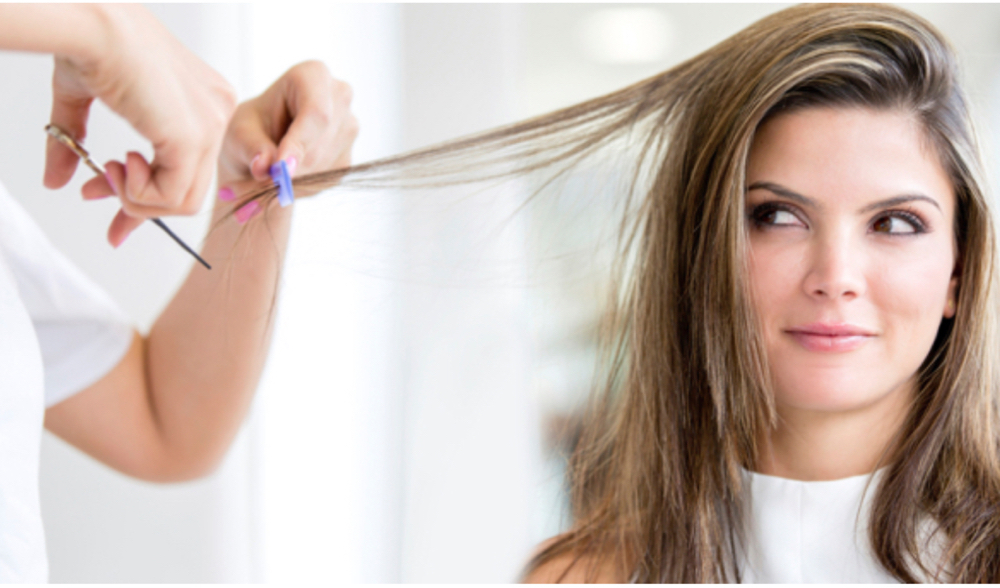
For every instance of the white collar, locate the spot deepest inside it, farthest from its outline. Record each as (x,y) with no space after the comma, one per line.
(810,531)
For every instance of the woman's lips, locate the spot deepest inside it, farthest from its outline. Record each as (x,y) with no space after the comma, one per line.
(827,337)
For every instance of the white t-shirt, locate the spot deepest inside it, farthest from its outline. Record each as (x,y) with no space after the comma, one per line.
(59,333)
(808,532)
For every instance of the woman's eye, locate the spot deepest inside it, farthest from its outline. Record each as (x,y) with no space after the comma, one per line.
(773,216)
(783,217)
(897,224)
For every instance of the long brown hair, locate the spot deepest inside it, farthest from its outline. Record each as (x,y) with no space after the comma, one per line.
(657,484)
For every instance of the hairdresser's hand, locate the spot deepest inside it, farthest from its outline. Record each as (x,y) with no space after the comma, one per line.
(304,118)
(169,95)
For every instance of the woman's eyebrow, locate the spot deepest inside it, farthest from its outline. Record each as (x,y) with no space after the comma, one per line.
(785,192)
(901,199)
(791,195)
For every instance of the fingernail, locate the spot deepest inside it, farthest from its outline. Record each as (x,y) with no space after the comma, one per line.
(291,163)
(226,194)
(253,162)
(249,209)
(111,183)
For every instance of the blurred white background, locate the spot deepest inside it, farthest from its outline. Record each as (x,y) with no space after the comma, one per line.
(407,427)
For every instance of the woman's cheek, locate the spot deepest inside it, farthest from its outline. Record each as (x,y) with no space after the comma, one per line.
(914,289)
(774,271)
(910,295)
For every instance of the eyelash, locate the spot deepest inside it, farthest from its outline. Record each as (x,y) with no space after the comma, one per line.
(760,211)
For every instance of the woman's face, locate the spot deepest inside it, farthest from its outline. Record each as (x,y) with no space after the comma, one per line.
(850,219)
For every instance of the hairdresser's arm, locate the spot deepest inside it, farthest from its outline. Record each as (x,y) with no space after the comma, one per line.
(122,55)
(170,410)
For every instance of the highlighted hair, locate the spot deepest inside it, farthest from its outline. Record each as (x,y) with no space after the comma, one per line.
(657,488)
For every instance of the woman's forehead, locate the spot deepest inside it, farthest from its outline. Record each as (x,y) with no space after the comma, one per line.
(848,154)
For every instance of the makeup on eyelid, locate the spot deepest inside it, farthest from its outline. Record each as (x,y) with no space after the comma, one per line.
(757,214)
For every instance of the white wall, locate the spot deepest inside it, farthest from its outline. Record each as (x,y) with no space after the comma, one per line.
(471,437)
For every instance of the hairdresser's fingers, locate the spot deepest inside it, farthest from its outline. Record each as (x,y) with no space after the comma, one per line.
(342,144)
(233,194)
(348,134)
(345,139)
(186,140)
(339,149)
(121,227)
(319,106)
(70,109)
(329,152)
(96,188)
(173,99)
(321,151)
(123,224)
(169,190)
(141,175)
(247,150)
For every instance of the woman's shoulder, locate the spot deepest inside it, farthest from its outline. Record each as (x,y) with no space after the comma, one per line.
(572,568)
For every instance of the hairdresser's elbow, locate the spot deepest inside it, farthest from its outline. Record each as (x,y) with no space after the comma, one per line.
(180,467)
(192,472)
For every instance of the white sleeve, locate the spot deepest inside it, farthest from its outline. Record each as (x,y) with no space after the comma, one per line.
(81,331)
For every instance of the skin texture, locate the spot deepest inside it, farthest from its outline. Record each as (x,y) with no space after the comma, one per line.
(170,409)
(842,257)
(570,569)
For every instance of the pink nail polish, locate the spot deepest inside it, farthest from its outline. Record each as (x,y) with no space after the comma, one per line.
(111,183)
(249,209)
(292,163)
(226,195)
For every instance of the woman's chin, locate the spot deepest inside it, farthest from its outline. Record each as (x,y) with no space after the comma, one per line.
(827,393)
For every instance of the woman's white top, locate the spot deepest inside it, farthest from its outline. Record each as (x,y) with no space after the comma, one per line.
(811,531)
(59,333)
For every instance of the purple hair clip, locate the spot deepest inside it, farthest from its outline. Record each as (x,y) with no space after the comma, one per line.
(279,173)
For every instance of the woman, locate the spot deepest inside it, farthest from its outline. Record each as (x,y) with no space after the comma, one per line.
(801,381)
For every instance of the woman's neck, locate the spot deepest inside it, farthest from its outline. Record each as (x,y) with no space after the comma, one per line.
(814,445)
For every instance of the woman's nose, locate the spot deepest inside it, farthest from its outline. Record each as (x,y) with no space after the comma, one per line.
(835,270)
